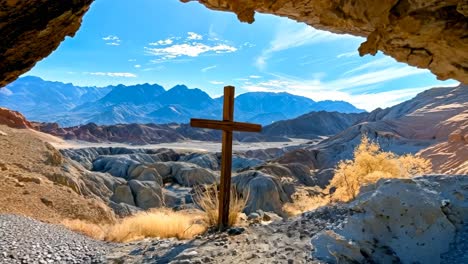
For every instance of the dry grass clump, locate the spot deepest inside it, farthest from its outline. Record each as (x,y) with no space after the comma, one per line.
(162,223)
(86,228)
(208,202)
(369,165)
(304,200)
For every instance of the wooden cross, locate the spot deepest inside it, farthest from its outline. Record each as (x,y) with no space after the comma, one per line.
(227,126)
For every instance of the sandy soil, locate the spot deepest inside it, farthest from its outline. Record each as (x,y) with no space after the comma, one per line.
(26,161)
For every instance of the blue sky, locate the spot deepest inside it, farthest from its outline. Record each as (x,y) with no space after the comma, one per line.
(169,43)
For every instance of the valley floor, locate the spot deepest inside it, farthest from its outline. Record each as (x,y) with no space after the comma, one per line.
(190,145)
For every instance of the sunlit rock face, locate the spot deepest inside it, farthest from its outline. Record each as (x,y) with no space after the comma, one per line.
(424,33)
(31,30)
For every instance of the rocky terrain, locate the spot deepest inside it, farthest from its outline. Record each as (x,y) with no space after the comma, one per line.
(25,240)
(143,134)
(428,223)
(33,181)
(412,126)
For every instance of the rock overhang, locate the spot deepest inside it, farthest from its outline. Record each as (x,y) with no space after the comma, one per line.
(426,34)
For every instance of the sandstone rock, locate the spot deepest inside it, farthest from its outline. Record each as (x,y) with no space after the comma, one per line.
(264,192)
(47,201)
(123,194)
(400,29)
(25,45)
(13,119)
(54,157)
(123,209)
(66,179)
(423,34)
(22,178)
(147,194)
(399,220)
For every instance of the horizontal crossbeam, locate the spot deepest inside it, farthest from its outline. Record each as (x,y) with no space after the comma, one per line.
(225,125)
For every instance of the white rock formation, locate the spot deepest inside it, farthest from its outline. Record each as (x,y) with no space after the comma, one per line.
(408,221)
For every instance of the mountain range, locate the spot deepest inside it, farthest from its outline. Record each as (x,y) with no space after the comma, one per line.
(70,105)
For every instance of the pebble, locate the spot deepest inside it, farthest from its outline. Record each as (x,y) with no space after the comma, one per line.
(25,240)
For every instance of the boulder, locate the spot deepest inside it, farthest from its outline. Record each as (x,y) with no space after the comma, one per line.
(323,177)
(164,169)
(116,166)
(264,192)
(147,194)
(123,194)
(399,220)
(123,209)
(242,163)
(189,175)
(206,160)
(145,173)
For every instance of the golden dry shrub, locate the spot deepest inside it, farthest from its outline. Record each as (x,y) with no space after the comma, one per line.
(305,199)
(369,165)
(86,228)
(208,201)
(160,222)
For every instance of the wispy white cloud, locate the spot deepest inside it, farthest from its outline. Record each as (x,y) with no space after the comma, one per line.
(193,45)
(158,68)
(361,88)
(292,35)
(255,77)
(137,66)
(372,65)
(194,36)
(112,40)
(162,42)
(209,68)
(131,60)
(347,54)
(189,49)
(113,74)
(216,82)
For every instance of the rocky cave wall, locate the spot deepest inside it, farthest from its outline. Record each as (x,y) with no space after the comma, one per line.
(430,34)
(31,30)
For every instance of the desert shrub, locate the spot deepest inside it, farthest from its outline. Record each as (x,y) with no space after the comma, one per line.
(369,165)
(161,222)
(208,201)
(305,199)
(86,228)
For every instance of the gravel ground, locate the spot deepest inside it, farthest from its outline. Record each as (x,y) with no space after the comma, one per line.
(279,242)
(25,240)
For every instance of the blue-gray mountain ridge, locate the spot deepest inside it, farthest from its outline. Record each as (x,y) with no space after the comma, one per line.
(70,105)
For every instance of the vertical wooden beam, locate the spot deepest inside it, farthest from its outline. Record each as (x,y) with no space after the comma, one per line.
(226,161)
